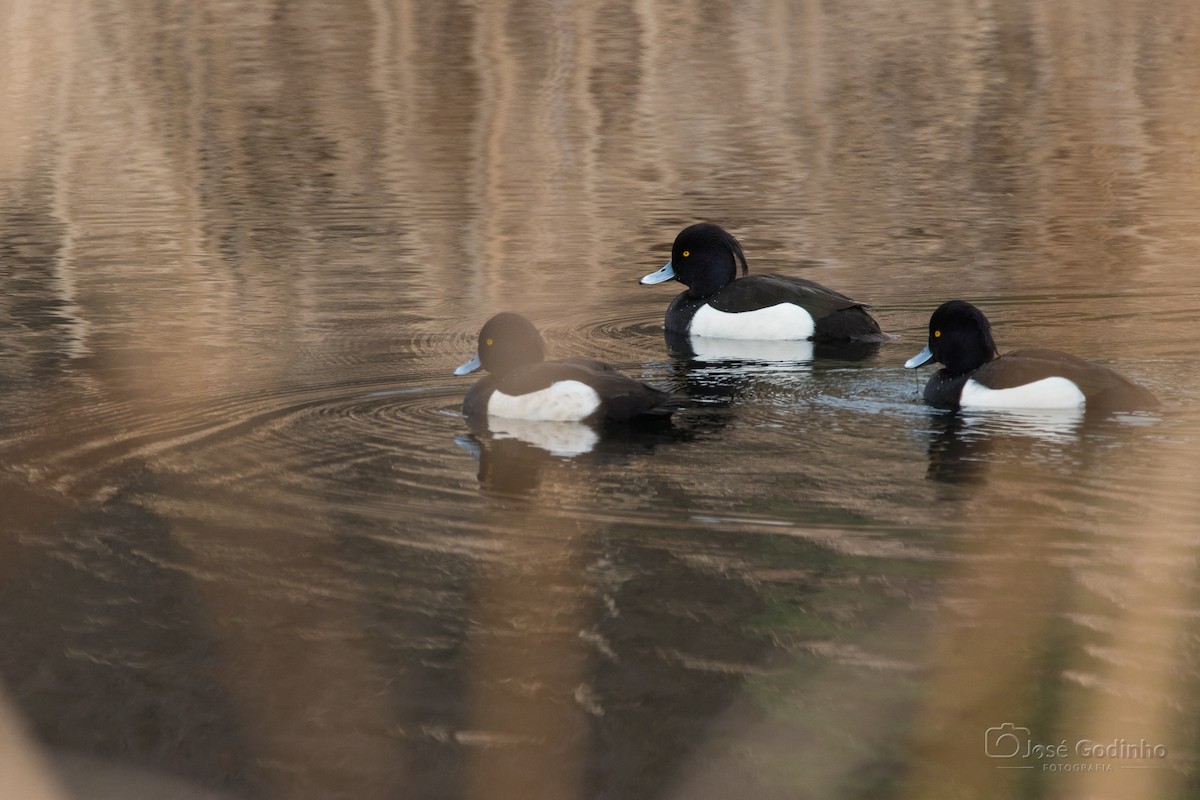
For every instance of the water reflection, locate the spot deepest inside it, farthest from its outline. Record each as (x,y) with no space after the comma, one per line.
(556,438)
(720,373)
(798,352)
(705,349)
(955,454)
(963,443)
(515,454)
(1059,424)
(241,246)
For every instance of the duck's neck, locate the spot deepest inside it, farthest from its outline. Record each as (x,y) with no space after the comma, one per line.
(944,388)
(686,305)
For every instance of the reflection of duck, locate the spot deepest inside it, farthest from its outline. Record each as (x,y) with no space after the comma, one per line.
(556,438)
(714,371)
(1043,423)
(973,376)
(954,456)
(524,386)
(961,445)
(708,350)
(801,351)
(507,466)
(719,305)
(513,454)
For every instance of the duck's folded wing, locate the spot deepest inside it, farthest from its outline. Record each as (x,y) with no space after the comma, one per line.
(760,291)
(836,316)
(1098,383)
(624,397)
(590,364)
(632,399)
(1021,367)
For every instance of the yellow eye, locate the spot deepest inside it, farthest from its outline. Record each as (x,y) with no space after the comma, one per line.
(686,254)
(936,335)
(489,341)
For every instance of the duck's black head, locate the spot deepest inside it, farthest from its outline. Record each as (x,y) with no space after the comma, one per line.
(960,338)
(704,258)
(506,342)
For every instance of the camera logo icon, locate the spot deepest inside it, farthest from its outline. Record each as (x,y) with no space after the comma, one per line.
(1004,741)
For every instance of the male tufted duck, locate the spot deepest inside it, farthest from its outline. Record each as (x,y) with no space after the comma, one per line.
(522,385)
(718,304)
(975,376)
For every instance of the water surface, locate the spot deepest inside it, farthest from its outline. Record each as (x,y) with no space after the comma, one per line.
(250,545)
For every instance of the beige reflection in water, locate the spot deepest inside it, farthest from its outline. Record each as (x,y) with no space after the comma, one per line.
(513,140)
(26,774)
(997,649)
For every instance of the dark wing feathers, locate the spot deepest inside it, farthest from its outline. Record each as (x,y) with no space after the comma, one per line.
(836,316)
(1099,384)
(535,377)
(854,323)
(1020,367)
(626,398)
(590,363)
(622,397)
(760,291)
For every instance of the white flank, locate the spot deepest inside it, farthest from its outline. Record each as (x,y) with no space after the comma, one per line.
(1054,392)
(782,321)
(564,401)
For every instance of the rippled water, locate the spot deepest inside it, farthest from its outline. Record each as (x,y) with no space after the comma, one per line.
(250,545)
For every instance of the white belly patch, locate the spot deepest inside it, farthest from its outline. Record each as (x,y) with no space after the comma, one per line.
(782,321)
(1054,392)
(564,401)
